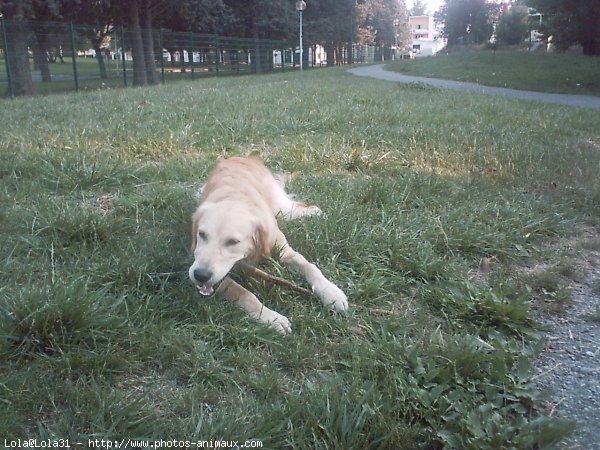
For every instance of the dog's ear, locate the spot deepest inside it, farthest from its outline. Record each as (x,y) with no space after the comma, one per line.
(195,220)
(262,241)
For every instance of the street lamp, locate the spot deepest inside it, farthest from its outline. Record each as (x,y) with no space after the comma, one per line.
(300,6)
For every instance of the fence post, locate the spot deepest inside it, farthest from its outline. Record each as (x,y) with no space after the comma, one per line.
(162,56)
(74,57)
(11,92)
(191,54)
(181,53)
(123,56)
(217,54)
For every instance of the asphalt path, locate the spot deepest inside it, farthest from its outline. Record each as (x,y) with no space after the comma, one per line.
(378,71)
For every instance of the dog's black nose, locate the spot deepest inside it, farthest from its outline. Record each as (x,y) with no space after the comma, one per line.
(202,275)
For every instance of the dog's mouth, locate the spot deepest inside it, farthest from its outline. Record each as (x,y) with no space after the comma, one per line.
(206,290)
(205,281)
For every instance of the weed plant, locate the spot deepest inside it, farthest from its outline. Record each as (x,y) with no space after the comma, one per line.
(102,335)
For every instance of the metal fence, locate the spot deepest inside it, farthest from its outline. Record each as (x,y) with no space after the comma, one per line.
(40,57)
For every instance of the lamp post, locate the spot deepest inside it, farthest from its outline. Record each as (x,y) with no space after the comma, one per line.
(301,6)
(396,25)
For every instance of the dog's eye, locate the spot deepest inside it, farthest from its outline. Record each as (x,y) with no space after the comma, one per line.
(232,242)
(202,235)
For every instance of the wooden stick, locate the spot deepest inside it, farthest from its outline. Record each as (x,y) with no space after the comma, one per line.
(253,271)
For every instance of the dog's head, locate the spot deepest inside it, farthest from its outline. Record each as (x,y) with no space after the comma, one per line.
(222,234)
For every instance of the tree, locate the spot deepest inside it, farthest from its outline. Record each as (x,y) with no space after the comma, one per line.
(571,22)
(419,8)
(332,24)
(141,39)
(338,24)
(99,16)
(148,39)
(137,44)
(466,21)
(376,21)
(34,25)
(256,20)
(198,16)
(42,12)
(513,27)
(15,14)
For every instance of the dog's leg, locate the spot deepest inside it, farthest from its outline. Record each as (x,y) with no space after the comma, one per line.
(291,209)
(294,209)
(329,294)
(255,309)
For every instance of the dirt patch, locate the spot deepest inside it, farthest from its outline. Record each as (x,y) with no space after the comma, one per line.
(102,205)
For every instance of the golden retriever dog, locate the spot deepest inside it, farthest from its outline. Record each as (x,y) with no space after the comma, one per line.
(236,220)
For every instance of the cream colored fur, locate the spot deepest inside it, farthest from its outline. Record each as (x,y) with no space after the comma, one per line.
(237,220)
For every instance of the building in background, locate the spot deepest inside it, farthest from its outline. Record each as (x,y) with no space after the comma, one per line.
(426,35)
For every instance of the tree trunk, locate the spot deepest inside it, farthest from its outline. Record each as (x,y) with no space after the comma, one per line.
(100,57)
(148,37)
(339,55)
(137,45)
(330,50)
(40,58)
(256,57)
(18,58)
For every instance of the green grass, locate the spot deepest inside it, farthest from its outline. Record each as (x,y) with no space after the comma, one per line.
(535,71)
(88,74)
(102,335)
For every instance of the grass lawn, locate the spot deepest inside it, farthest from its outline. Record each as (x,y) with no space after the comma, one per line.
(88,74)
(103,337)
(535,71)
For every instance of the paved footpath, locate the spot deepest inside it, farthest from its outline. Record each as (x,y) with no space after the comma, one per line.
(378,71)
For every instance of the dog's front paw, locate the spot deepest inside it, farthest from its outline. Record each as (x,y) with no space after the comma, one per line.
(278,321)
(332,297)
(313,211)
